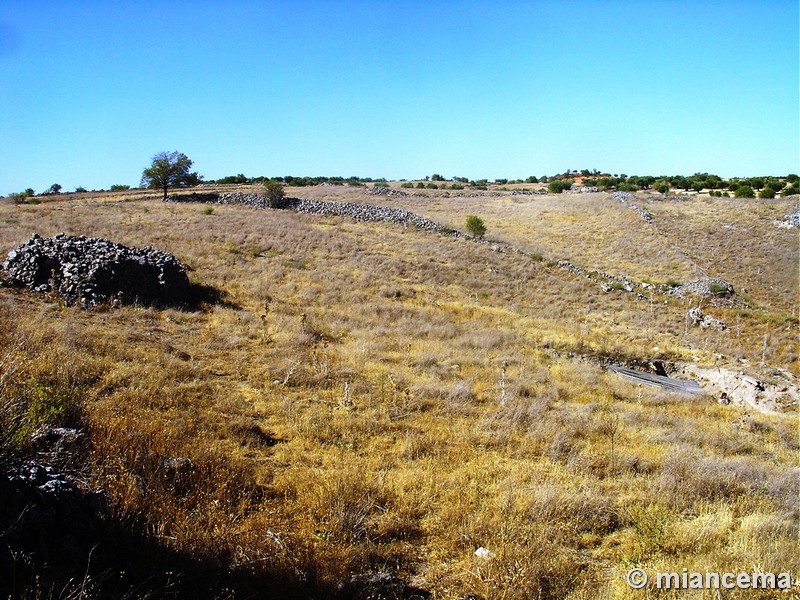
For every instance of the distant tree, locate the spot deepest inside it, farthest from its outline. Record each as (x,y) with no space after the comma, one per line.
(682,183)
(53,189)
(80,190)
(744,191)
(791,190)
(558,186)
(661,186)
(767,192)
(793,178)
(28,192)
(756,183)
(232,179)
(775,184)
(118,187)
(532,179)
(733,185)
(476,226)
(169,169)
(698,185)
(501,181)
(437,177)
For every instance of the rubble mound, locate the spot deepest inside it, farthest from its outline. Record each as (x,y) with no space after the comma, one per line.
(90,271)
(705,286)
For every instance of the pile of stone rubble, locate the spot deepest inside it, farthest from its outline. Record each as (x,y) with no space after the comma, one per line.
(706,287)
(387,191)
(791,220)
(90,271)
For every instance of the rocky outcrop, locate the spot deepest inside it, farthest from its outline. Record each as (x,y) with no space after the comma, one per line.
(90,271)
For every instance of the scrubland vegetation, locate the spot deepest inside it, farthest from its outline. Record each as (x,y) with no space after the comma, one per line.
(373,398)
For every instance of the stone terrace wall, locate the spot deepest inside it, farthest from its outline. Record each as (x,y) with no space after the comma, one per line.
(357,212)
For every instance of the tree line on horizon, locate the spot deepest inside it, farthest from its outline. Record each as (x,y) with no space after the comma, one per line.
(171,170)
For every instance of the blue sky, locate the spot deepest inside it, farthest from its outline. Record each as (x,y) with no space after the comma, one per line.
(91,90)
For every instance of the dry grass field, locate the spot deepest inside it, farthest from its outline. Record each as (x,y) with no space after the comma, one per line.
(373,398)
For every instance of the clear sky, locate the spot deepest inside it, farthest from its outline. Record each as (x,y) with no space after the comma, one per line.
(90,90)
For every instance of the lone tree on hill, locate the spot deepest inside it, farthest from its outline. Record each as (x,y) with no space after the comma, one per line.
(169,169)
(475,226)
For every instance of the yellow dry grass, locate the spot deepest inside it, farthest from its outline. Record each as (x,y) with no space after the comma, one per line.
(376,398)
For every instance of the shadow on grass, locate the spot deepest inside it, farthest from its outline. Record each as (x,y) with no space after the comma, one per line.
(201,297)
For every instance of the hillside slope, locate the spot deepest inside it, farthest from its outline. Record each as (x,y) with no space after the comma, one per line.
(369,397)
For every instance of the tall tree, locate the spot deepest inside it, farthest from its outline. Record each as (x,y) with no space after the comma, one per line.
(169,169)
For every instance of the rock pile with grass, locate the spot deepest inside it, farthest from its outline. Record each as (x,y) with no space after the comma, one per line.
(89,271)
(705,287)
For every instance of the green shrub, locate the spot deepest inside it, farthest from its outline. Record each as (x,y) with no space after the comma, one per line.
(558,186)
(791,190)
(744,191)
(767,192)
(276,195)
(661,186)
(476,226)
(407,184)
